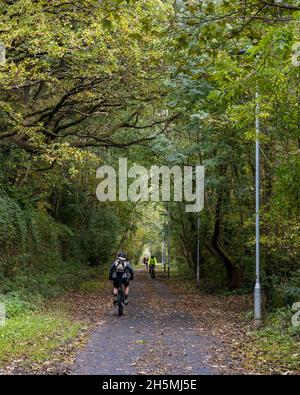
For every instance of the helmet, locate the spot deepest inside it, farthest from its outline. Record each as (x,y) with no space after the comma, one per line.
(122,256)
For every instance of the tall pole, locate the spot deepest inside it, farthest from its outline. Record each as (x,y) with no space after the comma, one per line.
(257,289)
(165,255)
(198,251)
(162,249)
(169,241)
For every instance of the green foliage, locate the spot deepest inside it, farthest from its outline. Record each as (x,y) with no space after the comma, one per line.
(90,62)
(16,304)
(42,257)
(223,70)
(287,189)
(101,235)
(12,224)
(283,295)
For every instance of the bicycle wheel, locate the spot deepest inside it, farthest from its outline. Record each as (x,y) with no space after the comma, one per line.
(152,273)
(120,302)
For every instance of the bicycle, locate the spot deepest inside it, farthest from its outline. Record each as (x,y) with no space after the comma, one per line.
(152,272)
(121,299)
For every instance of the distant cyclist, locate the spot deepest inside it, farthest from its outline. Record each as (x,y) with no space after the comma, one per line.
(121,271)
(145,261)
(152,264)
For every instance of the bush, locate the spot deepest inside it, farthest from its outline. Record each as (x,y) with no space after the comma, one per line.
(41,257)
(17,304)
(283,295)
(100,236)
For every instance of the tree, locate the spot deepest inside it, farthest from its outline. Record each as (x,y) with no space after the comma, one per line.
(223,53)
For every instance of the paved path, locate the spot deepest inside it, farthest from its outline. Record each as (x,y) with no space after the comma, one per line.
(153,337)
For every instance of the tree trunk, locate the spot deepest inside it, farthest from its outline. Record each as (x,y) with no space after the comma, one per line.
(217,243)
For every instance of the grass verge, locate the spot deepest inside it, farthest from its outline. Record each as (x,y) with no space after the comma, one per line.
(278,341)
(42,330)
(34,335)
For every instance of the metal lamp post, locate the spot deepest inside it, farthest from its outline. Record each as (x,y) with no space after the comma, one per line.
(163,251)
(198,251)
(257,288)
(169,240)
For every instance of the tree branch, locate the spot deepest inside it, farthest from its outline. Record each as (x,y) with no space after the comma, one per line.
(285,6)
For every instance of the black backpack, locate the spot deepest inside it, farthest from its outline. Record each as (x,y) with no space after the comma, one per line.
(120,265)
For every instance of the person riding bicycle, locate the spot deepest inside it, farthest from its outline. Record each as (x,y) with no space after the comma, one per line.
(145,262)
(121,271)
(152,264)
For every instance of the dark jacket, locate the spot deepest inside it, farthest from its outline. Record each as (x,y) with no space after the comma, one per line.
(127,269)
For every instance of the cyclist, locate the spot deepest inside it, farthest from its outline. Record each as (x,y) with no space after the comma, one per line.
(121,270)
(152,264)
(145,261)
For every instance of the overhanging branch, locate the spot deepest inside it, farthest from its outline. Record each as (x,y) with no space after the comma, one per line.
(283,5)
